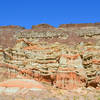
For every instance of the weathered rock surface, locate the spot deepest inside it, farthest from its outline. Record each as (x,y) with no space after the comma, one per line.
(65,33)
(60,65)
(63,58)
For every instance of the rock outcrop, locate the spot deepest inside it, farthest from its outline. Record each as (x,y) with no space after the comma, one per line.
(40,26)
(61,65)
(65,33)
(67,57)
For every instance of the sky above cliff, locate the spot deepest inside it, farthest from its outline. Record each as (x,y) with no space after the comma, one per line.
(54,12)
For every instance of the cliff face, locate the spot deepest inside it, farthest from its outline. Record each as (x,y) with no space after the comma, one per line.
(57,64)
(70,34)
(80,25)
(88,30)
(7,33)
(66,58)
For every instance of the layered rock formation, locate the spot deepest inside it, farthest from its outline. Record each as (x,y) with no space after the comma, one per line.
(7,33)
(66,57)
(61,65)
(65,33)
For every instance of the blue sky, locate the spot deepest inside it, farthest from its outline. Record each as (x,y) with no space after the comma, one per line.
(55,12)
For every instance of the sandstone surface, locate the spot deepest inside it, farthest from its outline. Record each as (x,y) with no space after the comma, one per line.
(65,59)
